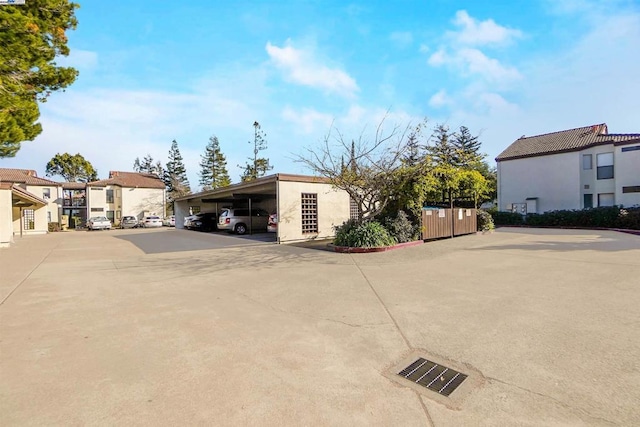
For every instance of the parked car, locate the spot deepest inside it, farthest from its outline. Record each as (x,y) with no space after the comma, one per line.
(98,223)
(204,221)
(129,222)
(187,221)
(238,220)
(170,221)
(151,221)
(272,223)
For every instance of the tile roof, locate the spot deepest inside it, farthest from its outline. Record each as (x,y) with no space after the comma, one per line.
(564,141)
(74,185)
(130,179)
(24,176)
(24,194)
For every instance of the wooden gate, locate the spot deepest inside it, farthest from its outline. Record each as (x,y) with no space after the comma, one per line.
(438,223)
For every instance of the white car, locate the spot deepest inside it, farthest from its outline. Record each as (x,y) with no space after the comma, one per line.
(151,221)
(98,223)
(170,221)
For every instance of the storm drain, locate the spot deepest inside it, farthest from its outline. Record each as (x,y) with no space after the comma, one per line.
(435,377)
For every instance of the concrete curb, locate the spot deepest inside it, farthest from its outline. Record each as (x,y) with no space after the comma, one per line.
(619,230)
(350,250)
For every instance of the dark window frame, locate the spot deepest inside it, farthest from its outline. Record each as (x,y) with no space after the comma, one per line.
(109,195)
(589,197)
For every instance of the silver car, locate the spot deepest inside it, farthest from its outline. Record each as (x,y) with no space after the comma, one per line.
(238,220)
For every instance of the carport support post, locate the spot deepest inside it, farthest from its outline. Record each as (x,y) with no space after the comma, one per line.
(21,220)
(250,218)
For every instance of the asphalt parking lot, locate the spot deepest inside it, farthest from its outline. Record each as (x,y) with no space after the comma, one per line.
(167,327)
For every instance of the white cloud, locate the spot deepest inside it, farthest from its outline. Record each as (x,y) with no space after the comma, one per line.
(423,48)
(477,33)
(401,38)
(471,61)
(440,99)
(307,119)
(302,68)
(438,58)
(477,62)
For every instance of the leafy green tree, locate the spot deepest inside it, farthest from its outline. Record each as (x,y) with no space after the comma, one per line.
(72,168)
(257,166)
(31,37)
(175,174)
(148,165)
(213,164)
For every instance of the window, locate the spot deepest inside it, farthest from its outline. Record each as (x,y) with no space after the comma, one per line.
(109,196)
(194,209)
(354,210)
(634,148)
(605,166)
(588,201)
(631,189)
(309,213)
(587,161)
(46,193)
(48,216)
(606,199)
(97,209)
(28,219)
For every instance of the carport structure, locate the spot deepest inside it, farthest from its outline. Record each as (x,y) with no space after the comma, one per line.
(308,207)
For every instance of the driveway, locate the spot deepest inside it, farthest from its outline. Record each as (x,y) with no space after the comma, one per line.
(97,329)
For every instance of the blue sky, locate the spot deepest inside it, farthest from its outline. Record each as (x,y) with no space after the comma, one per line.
(151,72)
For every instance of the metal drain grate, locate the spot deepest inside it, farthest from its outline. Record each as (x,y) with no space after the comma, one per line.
(435,377)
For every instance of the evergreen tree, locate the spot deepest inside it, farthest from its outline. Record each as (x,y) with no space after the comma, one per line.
(467,147)
(257,166)
(72,168)
(213,164)
(33,38)
(175,174)
(147,165)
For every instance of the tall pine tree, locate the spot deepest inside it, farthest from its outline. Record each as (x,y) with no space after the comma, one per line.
(175,174)
(147,165)
(467,148)
(257,166)
(213,164)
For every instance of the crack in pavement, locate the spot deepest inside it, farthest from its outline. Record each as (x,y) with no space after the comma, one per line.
(29,275)
(405,339)
(564,405)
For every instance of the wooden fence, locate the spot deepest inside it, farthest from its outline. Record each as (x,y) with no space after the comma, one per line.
(438,223)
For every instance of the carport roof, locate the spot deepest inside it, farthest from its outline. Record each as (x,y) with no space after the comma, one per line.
(255,189)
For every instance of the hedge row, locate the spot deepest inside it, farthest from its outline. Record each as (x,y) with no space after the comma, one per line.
(606,217)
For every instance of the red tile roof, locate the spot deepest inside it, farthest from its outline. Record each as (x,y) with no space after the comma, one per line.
(24,176)
(130,179)
(24,194)
(564,141)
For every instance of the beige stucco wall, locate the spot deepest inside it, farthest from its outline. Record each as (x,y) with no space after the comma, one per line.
(54,202)
(589,184)
(627,174)
(553,179)
(333,209)
(41,226)
(6,218)
(139,201)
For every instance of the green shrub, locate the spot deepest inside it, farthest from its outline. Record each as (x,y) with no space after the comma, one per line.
(366,235)
(343,231)
(401,228)
(507,218)
(485,221)
(605,217)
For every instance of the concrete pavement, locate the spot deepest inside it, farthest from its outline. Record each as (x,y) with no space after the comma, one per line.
(96,330)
